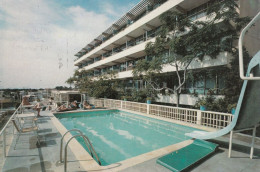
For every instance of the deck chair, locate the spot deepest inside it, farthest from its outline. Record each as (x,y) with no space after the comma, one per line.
(22,130)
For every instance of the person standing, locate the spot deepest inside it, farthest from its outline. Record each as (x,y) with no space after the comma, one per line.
(37,107)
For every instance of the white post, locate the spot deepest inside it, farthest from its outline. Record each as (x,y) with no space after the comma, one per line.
(148,109)
(199,117)
(186,116)
(121,104)
(230,144)
(60,99)
(253,143)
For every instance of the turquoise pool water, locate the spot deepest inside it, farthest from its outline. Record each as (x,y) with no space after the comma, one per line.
(118,135)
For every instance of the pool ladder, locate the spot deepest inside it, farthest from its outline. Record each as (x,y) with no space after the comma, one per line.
(87,143)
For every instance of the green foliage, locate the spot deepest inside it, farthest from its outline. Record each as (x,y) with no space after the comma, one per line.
(140,95)
(233,85)
(62,88)
(149,98)
(212,104)
(100,87)
(231,106)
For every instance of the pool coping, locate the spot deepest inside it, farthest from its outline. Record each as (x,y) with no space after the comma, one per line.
(88,163)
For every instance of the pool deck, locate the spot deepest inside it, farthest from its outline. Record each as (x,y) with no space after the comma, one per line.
(30,157)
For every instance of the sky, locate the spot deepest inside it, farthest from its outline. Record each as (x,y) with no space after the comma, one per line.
(39,38)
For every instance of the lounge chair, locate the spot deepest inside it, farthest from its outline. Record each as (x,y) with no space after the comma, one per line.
(66,109)
(22,129)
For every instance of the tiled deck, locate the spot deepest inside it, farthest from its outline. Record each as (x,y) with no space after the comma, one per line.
(27,157)
(218,162)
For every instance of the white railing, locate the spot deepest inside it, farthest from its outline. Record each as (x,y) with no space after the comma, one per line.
(195,116)
(134,106)
(97,102)
(215,119)
(180,114)
(6,137)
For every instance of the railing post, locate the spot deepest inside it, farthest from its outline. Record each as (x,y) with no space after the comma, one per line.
(199,117)
(4,144)
(230,144)
(121,104)
(148,109)
(253,143)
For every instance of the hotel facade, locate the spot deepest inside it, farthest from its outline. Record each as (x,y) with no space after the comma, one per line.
(120,47)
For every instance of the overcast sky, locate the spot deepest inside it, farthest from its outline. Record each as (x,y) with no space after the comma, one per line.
(39,38)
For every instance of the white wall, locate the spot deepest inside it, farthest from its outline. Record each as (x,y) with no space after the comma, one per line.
(185,99)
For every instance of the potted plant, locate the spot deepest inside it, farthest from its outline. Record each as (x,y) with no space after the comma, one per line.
(149,100)
(202,104)
(232,108)
(124,98)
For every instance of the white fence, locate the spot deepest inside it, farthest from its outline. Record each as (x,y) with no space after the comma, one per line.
(205,118)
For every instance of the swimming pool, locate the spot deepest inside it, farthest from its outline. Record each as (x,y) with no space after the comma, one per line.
(118,135)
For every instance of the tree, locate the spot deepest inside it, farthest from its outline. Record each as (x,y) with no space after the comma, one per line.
(70,81)
(99,87)
(182,41)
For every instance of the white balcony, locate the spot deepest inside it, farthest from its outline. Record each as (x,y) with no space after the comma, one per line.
(221,60)
(130,53)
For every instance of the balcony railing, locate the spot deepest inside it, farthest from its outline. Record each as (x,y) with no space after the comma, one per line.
(127,45)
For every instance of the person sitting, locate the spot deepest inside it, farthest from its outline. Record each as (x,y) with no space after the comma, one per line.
(86,105)
(74,105)
(62,108)
(25,101)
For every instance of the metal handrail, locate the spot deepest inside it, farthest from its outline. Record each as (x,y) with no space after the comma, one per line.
(2,132)
(66,152)
(61,142)
(240,45)
(5,126)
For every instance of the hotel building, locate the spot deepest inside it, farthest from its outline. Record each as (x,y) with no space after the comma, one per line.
(120,46)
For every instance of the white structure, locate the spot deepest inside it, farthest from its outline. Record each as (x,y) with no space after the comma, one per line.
(122,44)
(65,96)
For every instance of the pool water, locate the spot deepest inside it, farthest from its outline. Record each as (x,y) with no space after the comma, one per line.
(118,135)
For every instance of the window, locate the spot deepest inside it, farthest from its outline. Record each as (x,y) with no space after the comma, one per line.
(221,83)
(210,84)
(189,86)
(199,84)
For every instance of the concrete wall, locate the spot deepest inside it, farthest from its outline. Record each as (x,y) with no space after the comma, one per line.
(252,39)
